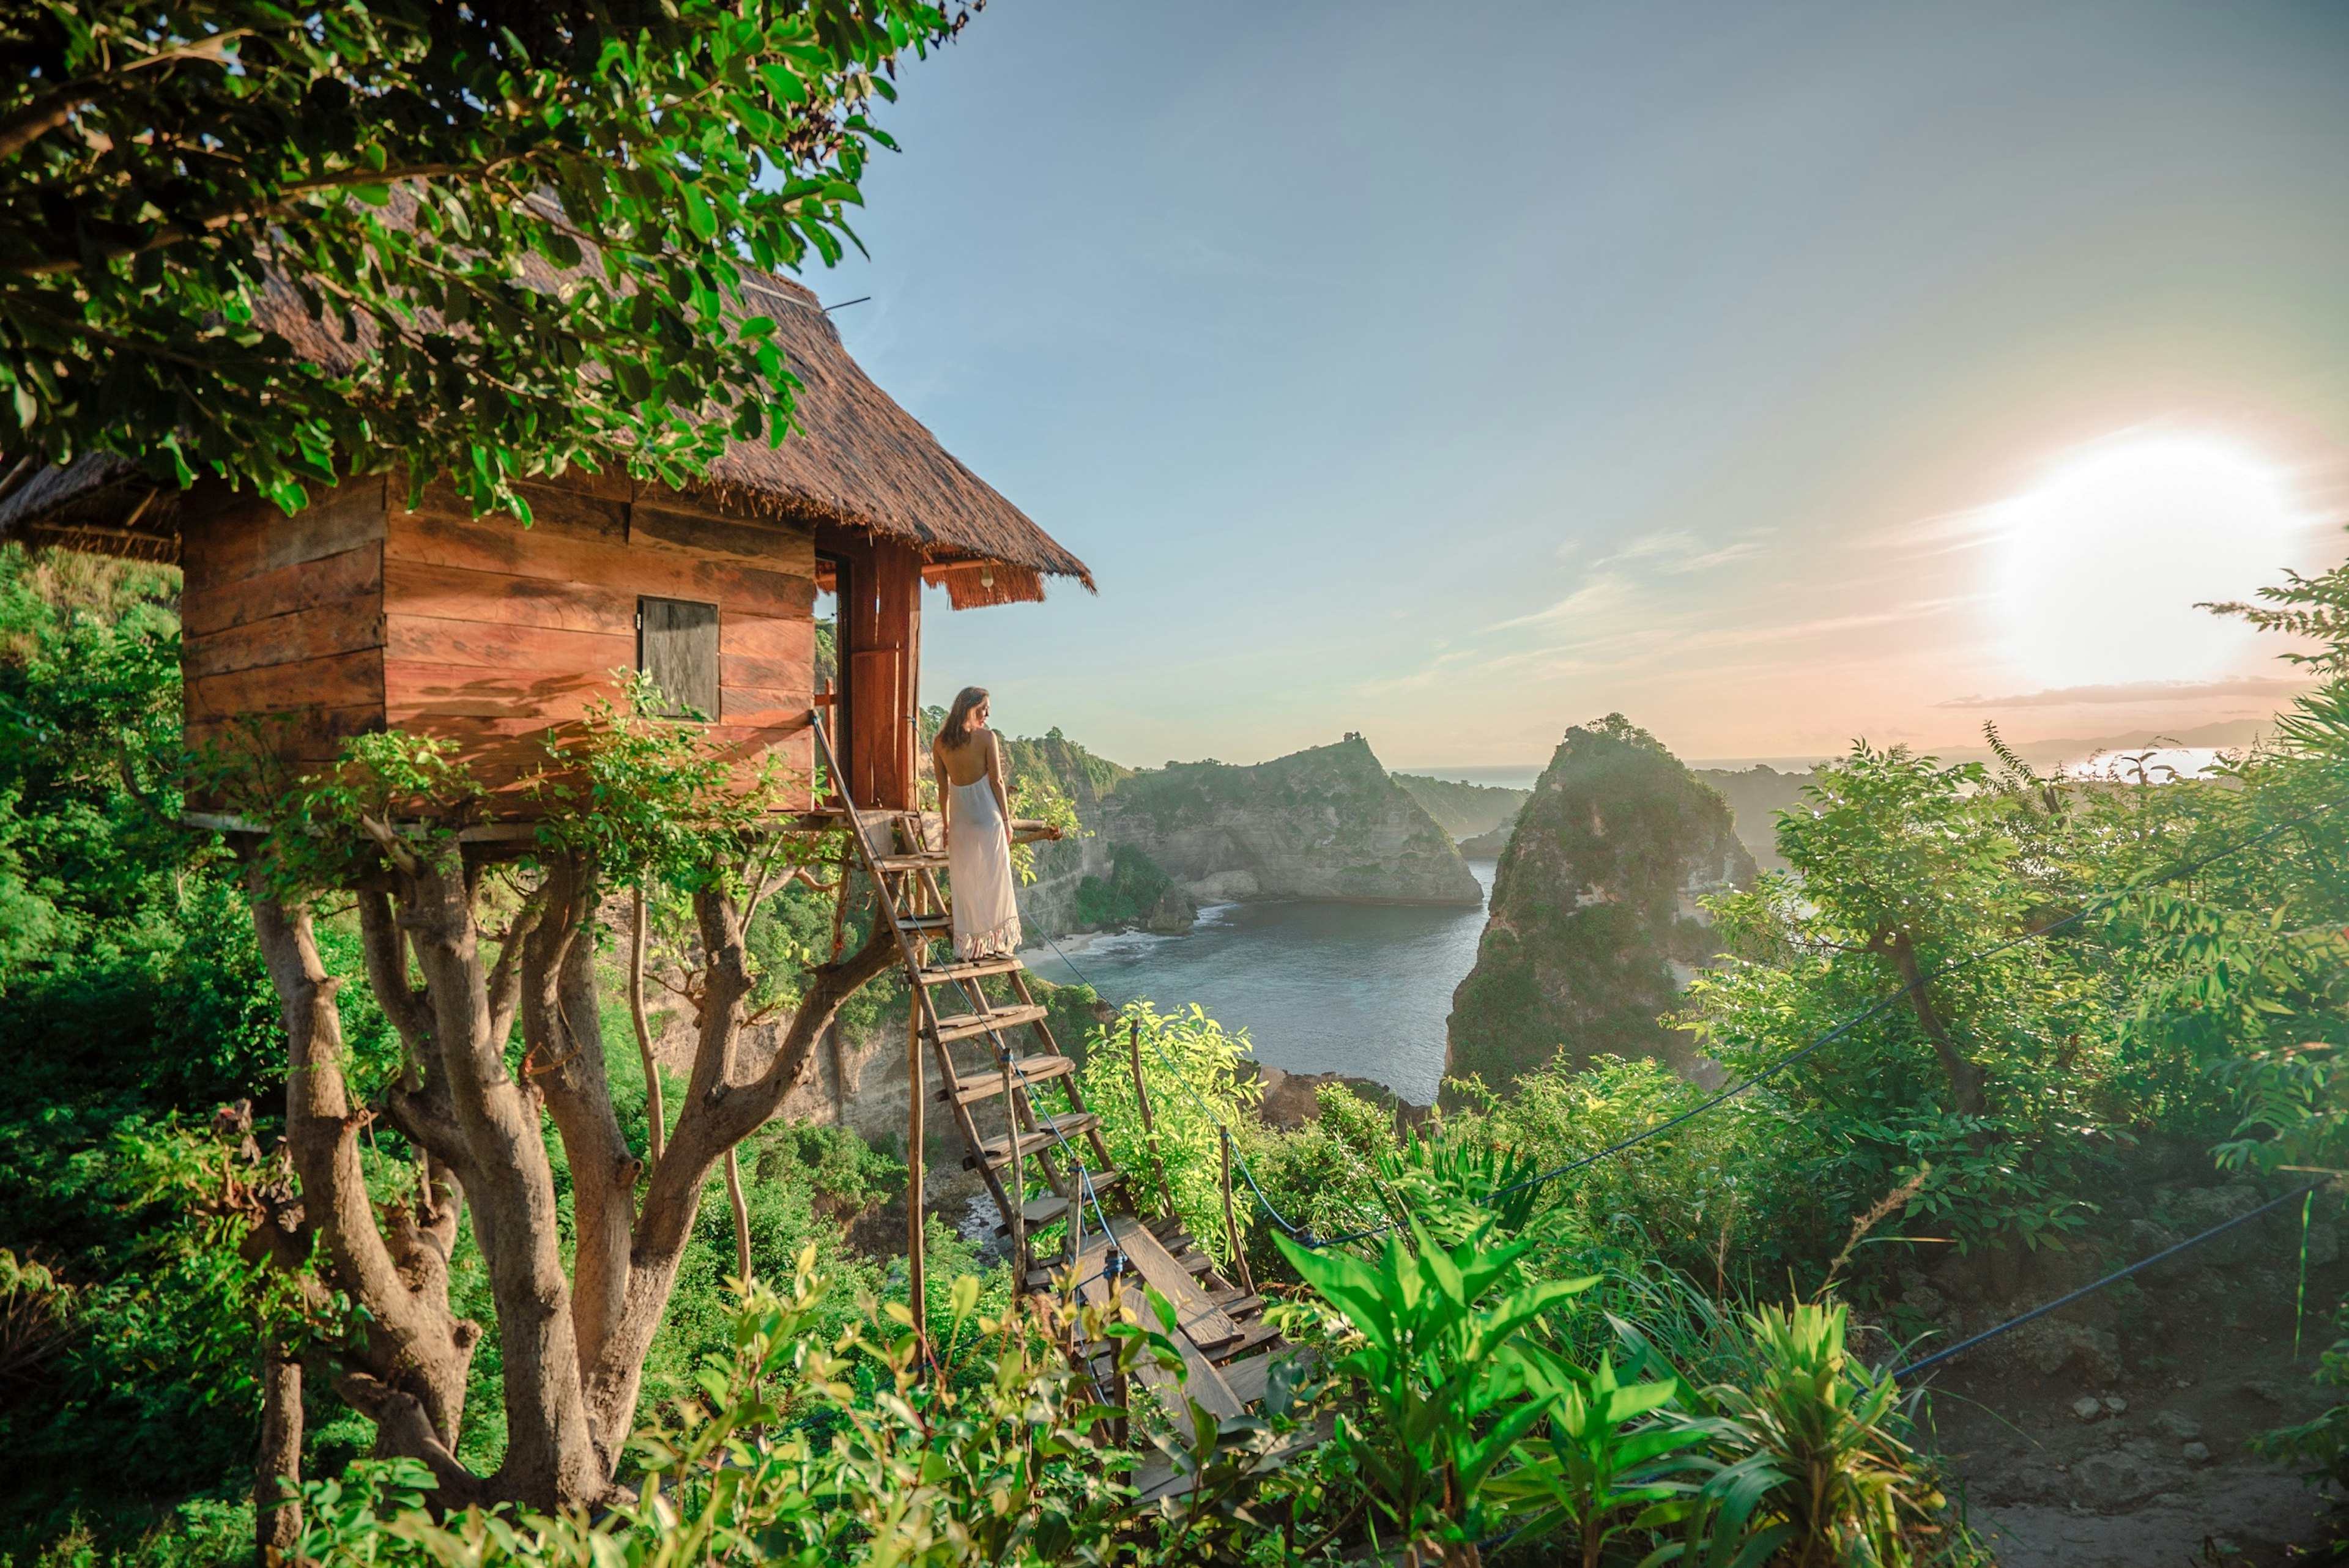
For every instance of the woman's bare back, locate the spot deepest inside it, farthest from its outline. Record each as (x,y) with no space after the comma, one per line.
(971,761)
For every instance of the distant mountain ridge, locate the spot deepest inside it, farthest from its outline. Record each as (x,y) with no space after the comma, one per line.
(1461,809)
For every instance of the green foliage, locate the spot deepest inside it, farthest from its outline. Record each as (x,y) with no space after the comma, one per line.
(1036,798)
(1430,1337)
(1191,1069)
(1127,896)
(1999,1071)
(778,1455)
(1820,1451)
(141,999)
(1606,1473)
(413,177)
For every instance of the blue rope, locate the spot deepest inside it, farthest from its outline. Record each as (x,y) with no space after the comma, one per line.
(1963,1346)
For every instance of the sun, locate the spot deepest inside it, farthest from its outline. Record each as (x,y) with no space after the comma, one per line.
(2099,569)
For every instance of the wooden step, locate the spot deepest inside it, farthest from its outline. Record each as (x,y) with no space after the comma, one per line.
(969,1026)
(1238,1302)
(1049,1209)
(1052,1208)
(976,968)
(1206,1324)
(1253,1335)
(888,863)
(1048,1135)
(972,1088)
(1203,1384)
(925,921)
(1246,1378)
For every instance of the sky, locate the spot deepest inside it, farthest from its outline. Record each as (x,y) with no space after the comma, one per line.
(1773,374)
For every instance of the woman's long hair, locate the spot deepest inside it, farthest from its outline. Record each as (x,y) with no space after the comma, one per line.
(956,728)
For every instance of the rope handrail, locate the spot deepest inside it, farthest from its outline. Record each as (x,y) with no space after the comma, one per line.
(2066,1299)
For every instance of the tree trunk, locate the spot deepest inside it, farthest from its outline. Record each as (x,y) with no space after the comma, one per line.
(1965,1079)
(277,1477)
(573,1347)
(410,1367)
(551,1460)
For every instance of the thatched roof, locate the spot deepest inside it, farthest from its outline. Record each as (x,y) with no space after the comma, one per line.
(857,461)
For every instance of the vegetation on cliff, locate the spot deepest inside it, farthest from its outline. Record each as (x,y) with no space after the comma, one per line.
(1327,823)
(1461,809)
(1593,908)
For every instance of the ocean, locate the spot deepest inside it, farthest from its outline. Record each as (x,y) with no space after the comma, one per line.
(1356,988)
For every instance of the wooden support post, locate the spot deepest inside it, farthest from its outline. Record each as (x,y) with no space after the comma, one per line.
(1231,1221)
(1142,1098)
(1019,1180)
(917,1091)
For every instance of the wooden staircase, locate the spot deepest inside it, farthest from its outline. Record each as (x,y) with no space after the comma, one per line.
(1048,1170)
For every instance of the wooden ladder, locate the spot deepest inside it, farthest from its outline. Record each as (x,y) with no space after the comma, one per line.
(1225,1343)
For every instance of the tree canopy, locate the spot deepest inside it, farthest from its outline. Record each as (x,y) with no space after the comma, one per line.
(514,230)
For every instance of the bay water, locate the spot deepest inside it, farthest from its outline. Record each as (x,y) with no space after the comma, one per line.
(1356,988)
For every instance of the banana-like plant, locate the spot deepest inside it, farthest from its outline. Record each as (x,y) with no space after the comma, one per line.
(1438,1353)
(1612,1465)
(1816,1427)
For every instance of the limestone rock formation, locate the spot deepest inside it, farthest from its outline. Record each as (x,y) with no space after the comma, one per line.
(1595,926)
(1327,823)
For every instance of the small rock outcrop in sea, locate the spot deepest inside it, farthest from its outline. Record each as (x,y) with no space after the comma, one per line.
(1327,823)
(1595,926)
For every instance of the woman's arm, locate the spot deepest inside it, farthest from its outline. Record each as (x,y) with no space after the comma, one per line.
(995,778)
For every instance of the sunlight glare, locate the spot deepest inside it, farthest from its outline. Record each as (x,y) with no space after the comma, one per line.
(2099,568)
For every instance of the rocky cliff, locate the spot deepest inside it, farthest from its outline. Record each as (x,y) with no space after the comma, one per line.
(1594,926)
(1328,823)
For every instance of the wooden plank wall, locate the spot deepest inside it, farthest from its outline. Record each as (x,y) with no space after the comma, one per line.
(492,632)
(282,621)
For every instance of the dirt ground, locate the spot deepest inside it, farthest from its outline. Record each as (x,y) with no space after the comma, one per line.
(2113,1436)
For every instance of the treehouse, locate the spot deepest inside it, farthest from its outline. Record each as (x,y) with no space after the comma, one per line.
(364,612)
(361,613)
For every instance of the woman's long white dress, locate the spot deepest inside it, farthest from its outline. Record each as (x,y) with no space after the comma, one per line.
(978,860)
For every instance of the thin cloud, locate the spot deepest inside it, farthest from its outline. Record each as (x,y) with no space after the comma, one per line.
(2136,691)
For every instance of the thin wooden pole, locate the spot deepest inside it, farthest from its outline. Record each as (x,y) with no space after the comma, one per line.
(1019,1184)
(917,1091)
(656,1120)
(1141,1098)
(1231,1221)
(742,1208)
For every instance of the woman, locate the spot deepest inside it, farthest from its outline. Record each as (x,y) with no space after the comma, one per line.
(978,831)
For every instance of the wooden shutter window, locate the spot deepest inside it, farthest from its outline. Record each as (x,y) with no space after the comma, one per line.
(677,648)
